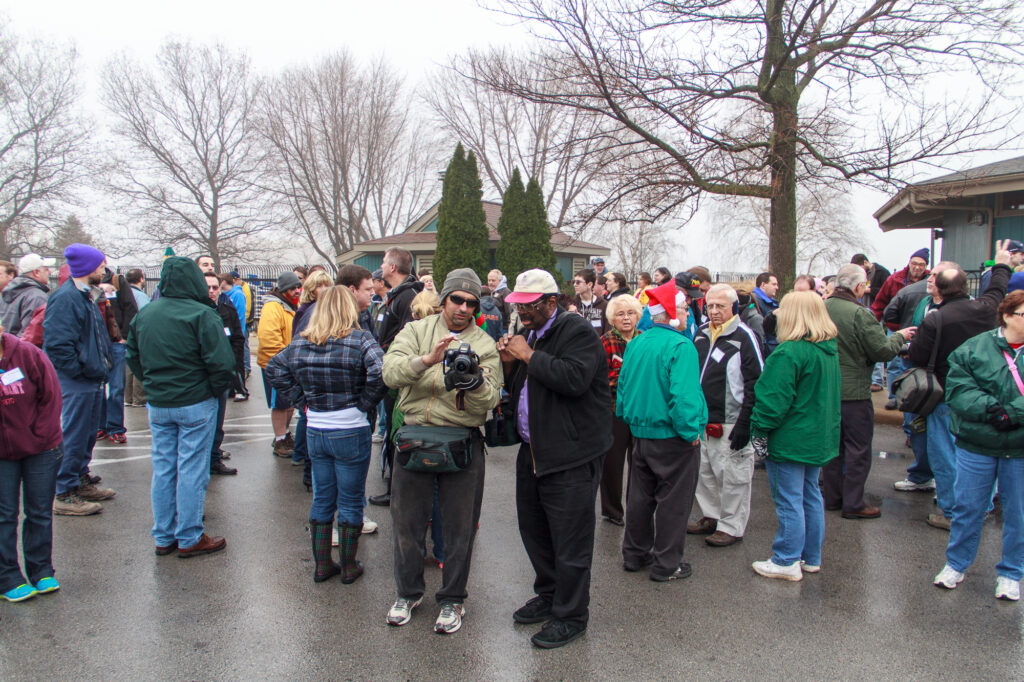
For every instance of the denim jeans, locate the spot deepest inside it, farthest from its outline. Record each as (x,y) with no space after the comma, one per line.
(920,471)
(246,357)
(340,459)
(801,512)
(878,373)
(182,438)
(942,457)
(382,417)
(301,451)
(34,479)
(113,407)
(975,477)
(80,420)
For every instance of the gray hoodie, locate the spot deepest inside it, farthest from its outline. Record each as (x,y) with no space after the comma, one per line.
(20,298)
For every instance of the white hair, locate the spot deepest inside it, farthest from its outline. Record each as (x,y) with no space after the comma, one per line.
(850,275)
(723,289)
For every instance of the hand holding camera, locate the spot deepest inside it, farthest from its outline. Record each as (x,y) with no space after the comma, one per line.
(462,369)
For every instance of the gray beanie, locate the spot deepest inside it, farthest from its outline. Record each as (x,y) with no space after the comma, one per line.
(287,280)
(462,279)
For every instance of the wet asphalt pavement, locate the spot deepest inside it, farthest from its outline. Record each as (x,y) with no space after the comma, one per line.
(254,612)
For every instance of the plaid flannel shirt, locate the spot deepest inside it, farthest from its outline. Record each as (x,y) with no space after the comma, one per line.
(614,344)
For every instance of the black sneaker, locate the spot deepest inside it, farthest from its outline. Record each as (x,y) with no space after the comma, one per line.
(681,573)
(556,633)
(634,566)
(534,611)
(220,469)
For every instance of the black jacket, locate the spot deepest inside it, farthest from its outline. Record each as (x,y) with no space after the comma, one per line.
(232,329)
(878,276)
(568,396)
(728,372)
(962,319)
(397,310)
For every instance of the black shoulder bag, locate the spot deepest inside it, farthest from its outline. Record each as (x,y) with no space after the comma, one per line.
(918,390)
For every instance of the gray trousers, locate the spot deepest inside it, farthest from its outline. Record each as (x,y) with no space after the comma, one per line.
(412,501)
(662,481)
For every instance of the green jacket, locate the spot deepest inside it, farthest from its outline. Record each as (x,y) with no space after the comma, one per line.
(422,397)
(796,402)
(176,344)
(979,378)
(862,344)
(659,393)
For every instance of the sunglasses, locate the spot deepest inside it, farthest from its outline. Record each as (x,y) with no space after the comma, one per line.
(526,307)
(460,300)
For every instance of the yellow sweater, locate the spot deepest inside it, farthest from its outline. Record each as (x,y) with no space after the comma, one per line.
(275,330)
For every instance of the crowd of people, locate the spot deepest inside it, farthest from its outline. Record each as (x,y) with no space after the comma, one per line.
(647,399)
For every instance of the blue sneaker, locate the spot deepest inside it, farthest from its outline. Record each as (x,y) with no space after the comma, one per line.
(20,593)
(47,585)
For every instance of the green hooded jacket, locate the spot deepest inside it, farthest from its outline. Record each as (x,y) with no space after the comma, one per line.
(797,402)
(177,344)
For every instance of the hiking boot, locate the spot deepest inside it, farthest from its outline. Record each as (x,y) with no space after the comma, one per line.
(95,480)
(939,521)
(70,504)
(92,492)
(220,469)
(908,486)
(706,526)
(282,449)
(401,611)
(536,610)
(450,619)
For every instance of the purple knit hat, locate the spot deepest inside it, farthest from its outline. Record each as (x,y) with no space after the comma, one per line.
(83,259)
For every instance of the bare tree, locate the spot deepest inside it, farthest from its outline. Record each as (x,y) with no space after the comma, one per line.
(639,246)
(190,174)
(42,138)
(845,91)
(348,156)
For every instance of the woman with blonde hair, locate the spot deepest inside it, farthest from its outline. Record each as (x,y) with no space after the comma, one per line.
(425,304)
(795,424)
(333,372)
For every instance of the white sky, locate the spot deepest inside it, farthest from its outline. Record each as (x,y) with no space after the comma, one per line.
(414,35)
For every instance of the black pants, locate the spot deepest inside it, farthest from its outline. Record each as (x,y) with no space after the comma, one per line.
(412,501)
(846,475)
(218,434)
(387,448)
(662,482)
(611,478)
(556,523)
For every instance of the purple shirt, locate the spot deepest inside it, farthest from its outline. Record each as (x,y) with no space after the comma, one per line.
(523,409)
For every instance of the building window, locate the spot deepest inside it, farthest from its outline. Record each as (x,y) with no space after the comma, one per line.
(1011,203)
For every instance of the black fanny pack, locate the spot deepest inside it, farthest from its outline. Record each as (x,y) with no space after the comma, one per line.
(435,449)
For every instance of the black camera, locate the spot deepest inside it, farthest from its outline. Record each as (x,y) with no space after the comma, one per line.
(462,369)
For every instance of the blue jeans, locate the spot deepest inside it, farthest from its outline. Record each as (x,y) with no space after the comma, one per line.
(182,438)
(113,407)
(878,373)
(340,459)
(301,450)
(36,476)
(920,471)
(382,417)
(246,358)
(942,457)
(80,420)
(801,512)
(975,477)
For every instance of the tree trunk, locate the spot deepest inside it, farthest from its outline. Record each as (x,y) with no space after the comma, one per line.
(782,230)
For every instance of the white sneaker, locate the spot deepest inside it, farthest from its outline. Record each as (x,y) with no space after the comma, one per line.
(948,578)
(770,569)
(401,612)
(1007,589)
(369,525)
(450,618)
(908,486)
(809,568)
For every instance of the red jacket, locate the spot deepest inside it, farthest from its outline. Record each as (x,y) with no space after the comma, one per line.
(892,286)
(30,406)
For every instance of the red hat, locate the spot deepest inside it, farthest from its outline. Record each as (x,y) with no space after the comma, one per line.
(665,299)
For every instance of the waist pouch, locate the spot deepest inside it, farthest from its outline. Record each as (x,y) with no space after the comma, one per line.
(435,449)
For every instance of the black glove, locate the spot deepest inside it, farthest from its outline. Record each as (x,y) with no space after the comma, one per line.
(463,382)
(740,435)
(1000,420)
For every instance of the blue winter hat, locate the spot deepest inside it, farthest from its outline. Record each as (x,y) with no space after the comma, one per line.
(1016,282)
(920,253)
(83,259)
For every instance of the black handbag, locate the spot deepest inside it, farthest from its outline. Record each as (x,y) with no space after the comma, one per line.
(918,390)
(500,430)
(435,449)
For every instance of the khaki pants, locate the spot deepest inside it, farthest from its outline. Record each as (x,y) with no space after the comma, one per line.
(723,486)
(133,391)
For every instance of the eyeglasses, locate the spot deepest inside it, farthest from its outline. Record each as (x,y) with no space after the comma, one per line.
(578,282)
(461,300)
(1017,314)
(526,307)
(622,314)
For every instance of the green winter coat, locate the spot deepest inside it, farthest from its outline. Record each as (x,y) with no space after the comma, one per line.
(177,344)
(979,378)
(862,344)
(796,402)
(659,393)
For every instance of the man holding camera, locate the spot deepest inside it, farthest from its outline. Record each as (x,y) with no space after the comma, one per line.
(448,375)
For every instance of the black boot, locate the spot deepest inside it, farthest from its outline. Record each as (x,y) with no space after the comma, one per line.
(384,499)
(348,545)
(320,532)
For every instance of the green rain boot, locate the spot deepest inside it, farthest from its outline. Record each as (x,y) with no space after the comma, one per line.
(320,532)
(348,544)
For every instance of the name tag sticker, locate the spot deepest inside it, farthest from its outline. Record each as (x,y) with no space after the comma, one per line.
(12,375)
(227,331)
(717,355)
(110,295)
(595,323)
(380,318)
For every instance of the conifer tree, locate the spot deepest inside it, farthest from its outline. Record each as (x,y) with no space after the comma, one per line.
(511,256)
(462,238)
(537,240)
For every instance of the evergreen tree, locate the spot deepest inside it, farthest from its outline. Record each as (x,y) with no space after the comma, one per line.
(462,238)
(511,256)
(537,240)
(71,231)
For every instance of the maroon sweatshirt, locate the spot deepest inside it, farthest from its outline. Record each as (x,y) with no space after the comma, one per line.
(29,406)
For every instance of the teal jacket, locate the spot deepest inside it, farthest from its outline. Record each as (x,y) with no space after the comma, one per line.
(659,393)
(176,344)
(796,402)
(979,377)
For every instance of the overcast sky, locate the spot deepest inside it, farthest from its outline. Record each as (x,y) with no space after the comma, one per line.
(414,36)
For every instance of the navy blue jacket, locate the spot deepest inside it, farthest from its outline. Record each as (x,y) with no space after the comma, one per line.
(75,336)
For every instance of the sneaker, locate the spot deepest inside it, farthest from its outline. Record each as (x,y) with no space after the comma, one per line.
(809,568)
(908,486)
(91,492)
(369,525)
(556,633)
(101,435)
(683,571)
(1007,589)
(118,438)
(401,612)
(70,504)
(298,462)
(948,578)
(450,619)
(19,593)
(770,569)
(939,521)
(240,398)
(536,610)
(47,585)
(634,566)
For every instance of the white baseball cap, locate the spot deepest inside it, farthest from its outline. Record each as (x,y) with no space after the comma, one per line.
(33,261)
(531,285)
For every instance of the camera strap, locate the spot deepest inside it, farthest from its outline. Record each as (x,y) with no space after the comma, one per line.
(460,400)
